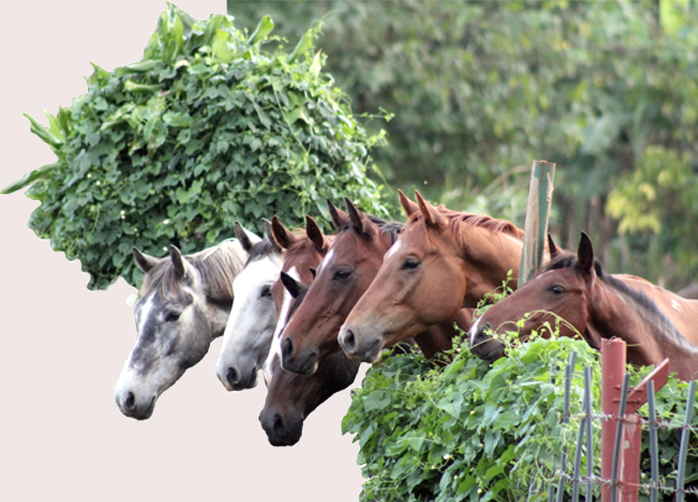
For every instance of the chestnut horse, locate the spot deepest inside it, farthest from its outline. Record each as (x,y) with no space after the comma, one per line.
(292,397)
(575,293)
(258,297)
(442,261)
(344,274)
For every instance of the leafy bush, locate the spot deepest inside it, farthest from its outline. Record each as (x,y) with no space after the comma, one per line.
(207,129)
(466,431)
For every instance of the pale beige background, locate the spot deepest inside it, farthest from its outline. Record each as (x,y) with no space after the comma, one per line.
(61,435)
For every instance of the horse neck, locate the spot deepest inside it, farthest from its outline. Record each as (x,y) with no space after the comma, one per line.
(649,338)
(489,255)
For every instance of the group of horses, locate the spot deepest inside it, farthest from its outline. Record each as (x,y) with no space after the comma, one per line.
(309,307)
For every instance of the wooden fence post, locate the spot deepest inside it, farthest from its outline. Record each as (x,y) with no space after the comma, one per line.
(540,196)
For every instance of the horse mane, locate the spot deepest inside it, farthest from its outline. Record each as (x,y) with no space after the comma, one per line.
(484,221)
(663,324)
(218,265)
(455,218)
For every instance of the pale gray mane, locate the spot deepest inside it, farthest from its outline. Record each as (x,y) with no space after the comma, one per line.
(217,265)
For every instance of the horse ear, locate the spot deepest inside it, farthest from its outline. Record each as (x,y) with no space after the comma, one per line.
(315,234)
(339,217)
(177,261)
(280,235)
(431,216)
(242,236)
(409,206)
(291,285)
(269,235)
(585,254)
(553,250)
(357,222)
(143,261)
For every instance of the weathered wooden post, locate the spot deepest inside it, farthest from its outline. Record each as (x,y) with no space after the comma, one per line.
(540,196)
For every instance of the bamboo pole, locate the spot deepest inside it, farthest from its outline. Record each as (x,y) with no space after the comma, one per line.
(540,196)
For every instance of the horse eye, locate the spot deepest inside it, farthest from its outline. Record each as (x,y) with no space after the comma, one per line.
(266,291)
(557,289)
(341,275)
(172,316)
(313,272)
(411,263)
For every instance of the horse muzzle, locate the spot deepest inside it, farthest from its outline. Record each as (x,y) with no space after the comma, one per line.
(134,406)
(365,347)
(485,346)
(282,430)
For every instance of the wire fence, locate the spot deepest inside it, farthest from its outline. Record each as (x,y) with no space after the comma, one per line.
(621,447)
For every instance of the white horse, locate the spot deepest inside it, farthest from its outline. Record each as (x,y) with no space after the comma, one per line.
(182,305)
(259,298)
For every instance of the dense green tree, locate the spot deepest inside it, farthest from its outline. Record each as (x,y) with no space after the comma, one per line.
(210,128)
(478,89)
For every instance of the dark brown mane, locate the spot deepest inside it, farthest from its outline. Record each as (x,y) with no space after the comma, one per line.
(217,266)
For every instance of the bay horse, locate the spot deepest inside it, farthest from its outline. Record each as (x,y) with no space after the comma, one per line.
(575,293)
(258,296)
(344,274)
(182,305)
(292,397)
(442,261)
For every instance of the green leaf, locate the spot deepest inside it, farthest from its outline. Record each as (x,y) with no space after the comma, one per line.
(43,133)
(29,178)
(261,32)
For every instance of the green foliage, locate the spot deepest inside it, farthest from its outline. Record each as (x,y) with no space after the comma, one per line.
(208,129)
(480,89)
(470,432)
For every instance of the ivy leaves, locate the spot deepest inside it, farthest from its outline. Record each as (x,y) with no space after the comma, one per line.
(467,431)
(208,129)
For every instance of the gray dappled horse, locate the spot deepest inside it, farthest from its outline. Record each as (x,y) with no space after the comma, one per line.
(182,305)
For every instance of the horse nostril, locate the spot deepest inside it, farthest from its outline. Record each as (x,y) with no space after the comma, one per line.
(349,340)
(231,375)
(286,347)
(130,402)
(278,423)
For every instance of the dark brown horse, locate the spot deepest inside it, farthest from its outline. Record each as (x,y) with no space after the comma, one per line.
(574,292)
(441,262)
(344,274)
(292,397)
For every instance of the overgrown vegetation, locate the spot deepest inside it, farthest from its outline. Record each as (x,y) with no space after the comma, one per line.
(466,431)
(208,129)
(481,88)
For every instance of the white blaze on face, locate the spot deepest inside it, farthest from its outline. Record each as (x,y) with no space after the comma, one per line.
(326,261)
(275,349)
(250,325)
(473,330)
(393,249)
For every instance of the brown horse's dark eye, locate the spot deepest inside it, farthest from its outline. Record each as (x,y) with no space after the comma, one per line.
(172,316)
(266,291)
(340,275)
(411,263)
(557,289)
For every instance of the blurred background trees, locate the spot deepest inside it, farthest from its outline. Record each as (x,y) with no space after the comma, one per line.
(477,89)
